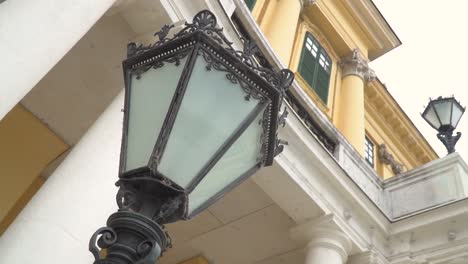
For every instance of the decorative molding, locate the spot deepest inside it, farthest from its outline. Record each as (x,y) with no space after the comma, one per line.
(383,111)
(387,158)
(378,32)
(357,65)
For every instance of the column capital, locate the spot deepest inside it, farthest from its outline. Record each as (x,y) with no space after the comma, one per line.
(356,65)
(323,233)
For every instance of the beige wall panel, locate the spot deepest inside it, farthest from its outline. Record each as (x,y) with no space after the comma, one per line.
(27,146)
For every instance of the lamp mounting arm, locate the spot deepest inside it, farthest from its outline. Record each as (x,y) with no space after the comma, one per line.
(449,140)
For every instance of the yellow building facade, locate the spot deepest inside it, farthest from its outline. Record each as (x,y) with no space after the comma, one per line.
(343,37)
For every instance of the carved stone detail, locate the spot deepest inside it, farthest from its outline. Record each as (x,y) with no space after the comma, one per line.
(358,66)
(451,235)
(387,158)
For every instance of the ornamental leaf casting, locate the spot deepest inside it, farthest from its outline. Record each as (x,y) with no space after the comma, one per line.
(162,34)
(214,63)
(205,21)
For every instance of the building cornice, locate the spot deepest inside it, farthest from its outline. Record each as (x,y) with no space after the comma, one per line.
(374,35)
(382,108)
(368,16)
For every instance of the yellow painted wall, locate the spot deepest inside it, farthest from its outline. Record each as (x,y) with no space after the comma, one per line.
(27,146)
(352,115)
(279,24)
(259,10)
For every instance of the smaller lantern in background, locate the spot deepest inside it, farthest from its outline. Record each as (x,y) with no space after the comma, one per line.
(443,114)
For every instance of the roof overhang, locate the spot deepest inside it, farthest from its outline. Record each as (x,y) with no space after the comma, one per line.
(378,30)
(352,24)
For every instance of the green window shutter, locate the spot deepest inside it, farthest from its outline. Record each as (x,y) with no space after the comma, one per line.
(308,67)
(323,76)
(315,67)
(250,4)
(322,83)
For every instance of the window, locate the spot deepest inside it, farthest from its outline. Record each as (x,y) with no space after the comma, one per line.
(315,66)
(369,151)
(250,4)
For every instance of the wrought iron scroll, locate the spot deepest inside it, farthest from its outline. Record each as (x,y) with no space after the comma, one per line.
(206,22)
(215,63)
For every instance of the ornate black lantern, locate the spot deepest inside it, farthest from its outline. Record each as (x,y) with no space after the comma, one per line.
(443,114)
(200,117)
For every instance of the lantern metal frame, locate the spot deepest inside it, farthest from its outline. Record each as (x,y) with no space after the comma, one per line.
(445,132)
(147,199)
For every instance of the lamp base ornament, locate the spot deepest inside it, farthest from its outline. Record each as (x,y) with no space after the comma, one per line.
(135,234)
(128,238)
(449,140)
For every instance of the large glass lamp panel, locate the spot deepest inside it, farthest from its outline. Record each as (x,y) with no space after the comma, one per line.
(431,117)
(212,108)
(240,161)
(444,110)
(457,113)
(150,97)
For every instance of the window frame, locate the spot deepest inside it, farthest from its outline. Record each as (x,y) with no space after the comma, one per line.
(369,151)
(316,72)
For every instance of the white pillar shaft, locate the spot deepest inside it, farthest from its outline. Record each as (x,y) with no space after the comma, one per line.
(319,255)
(326,243)
(34,36)
(57,223)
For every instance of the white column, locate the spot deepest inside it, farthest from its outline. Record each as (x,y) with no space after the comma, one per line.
(56,225)
(325,243)
(34,36)
(327,246)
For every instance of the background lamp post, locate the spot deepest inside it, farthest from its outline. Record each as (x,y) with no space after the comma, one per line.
(200,117)
(443,114)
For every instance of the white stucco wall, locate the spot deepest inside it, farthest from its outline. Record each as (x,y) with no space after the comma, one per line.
(34,36)
(76,200)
